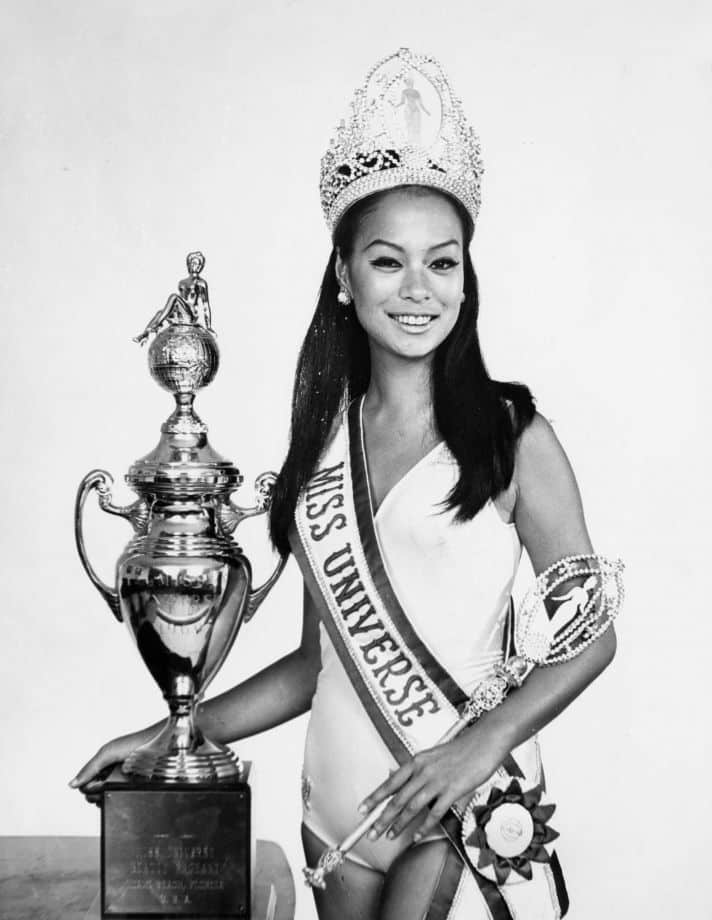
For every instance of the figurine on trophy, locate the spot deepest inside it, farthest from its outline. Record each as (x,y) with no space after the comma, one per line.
(190,305)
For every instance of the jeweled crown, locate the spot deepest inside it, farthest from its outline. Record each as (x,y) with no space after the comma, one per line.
(406,127)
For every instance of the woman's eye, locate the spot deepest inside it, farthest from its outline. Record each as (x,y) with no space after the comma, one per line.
(385,262)
(443,264)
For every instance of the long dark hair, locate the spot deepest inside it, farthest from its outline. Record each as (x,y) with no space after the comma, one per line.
(480,419)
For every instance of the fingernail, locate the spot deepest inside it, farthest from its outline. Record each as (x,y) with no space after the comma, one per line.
(362,809)
(73,783)
(417,836)
(373,834)
(391,835)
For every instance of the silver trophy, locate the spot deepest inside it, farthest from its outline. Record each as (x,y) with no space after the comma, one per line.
(183,585)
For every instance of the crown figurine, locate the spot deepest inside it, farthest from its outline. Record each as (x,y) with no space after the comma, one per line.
(406,127)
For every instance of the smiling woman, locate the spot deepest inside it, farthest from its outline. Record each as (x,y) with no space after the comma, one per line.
(412,482)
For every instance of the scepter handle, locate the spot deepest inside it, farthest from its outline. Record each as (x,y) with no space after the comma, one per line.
(365,826)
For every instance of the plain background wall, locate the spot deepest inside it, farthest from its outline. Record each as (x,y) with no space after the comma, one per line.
(134,132)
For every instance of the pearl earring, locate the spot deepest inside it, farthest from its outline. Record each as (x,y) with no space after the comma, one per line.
(343,297)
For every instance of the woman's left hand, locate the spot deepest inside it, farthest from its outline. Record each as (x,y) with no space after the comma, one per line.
(427,785)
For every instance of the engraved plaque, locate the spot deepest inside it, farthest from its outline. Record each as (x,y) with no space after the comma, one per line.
(176,851)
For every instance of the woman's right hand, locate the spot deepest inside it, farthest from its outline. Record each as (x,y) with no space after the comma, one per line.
(95,772)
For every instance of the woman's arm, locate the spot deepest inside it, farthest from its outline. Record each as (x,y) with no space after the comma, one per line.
(276,694)
(550,522)
(272,696)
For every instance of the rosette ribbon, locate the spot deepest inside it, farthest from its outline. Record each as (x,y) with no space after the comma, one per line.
(508,832)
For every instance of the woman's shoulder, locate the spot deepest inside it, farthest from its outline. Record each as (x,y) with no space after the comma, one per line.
(538,444)
(537,455)
(542,471)
(549,512)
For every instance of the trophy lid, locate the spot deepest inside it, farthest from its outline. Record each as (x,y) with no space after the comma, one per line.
(183,357)
(183,465)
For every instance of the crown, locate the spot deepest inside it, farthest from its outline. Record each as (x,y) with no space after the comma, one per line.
(406,127)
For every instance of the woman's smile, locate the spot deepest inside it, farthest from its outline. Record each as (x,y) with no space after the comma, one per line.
(414,323)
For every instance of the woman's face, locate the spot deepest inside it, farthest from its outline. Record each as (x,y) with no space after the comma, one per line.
(405,273)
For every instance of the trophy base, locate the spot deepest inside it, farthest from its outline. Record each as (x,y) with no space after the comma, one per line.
(183,850)
(159,761)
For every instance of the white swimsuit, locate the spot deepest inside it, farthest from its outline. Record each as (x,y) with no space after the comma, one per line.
(454,580)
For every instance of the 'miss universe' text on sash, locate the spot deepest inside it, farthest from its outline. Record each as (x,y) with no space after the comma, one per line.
(361,626)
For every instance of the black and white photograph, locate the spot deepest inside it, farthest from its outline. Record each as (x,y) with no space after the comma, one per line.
(355,459)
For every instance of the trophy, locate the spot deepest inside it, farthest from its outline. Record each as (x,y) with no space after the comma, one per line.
(176,820)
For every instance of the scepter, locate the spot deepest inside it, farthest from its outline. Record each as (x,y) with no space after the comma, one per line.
(541,640)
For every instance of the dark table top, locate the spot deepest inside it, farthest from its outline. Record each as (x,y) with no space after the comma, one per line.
(57,878)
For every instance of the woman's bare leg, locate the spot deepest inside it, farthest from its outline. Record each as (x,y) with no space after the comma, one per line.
(353,892)
(415,877)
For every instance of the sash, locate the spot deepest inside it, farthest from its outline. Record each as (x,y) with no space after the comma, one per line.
(409,696)
(407,693)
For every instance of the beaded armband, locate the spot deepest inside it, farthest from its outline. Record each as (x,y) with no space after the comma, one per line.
(589,592)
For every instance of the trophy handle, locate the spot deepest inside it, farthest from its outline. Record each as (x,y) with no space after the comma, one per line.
(232,515)
(137,513)
(255,597)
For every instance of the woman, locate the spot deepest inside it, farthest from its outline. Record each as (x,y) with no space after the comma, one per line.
(411,482)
